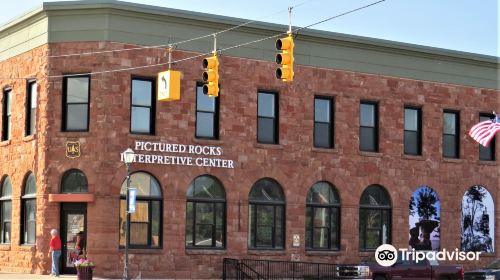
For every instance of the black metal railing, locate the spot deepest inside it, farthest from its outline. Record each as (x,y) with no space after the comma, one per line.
(267,269)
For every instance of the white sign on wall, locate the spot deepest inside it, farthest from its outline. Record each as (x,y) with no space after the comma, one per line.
(179,154)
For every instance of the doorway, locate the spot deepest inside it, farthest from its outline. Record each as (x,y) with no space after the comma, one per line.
(73,220)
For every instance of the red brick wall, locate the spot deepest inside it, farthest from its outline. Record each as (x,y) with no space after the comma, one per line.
(23,154)
(293,163)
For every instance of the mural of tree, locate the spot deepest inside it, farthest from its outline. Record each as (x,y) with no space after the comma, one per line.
(477,220)
(412,206)
(426,203)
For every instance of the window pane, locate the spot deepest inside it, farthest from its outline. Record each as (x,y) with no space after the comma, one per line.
(122,222)
(189,223)
(449,146)
(309,222)
(322,110)
(33,95)
(206,187)
(6,232)
(264,237)
(265,130)
(322,192)
(376,196)
(78,90)
(138,233)
(321,217)
(334,228)
(6,188)
(204,235)
(9,128)
(449,123)
(141,92)
(411,143)
(30,187)
(322,137)
(251,225)
(411,119)
(155,223)
(141,212)
(8,99)
(77,117)
(367,115)
(320,238)
(489,152)
(7,210)
(145,184)
(32,124)
(279,241)
(219,226)
(367,139)
(205,125)
(386,230)
(31,233)
(266,190)
(266,105)
(204,102)
(29,221)
(74,182)
(205,213)
(141,120)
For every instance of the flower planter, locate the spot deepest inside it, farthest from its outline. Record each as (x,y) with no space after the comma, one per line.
(84,272)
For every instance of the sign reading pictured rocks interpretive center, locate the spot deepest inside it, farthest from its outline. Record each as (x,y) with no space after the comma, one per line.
(179,154)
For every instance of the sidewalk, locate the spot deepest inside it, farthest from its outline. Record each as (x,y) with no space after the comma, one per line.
(15,276)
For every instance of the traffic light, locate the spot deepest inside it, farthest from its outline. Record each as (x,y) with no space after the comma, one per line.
(285,58)
(211,76)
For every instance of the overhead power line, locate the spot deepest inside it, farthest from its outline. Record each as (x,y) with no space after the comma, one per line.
(221,50)
(180,42)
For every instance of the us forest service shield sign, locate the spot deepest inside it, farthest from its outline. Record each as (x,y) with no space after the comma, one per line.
(73,149)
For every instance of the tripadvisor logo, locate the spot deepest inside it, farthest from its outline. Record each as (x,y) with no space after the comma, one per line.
(387,255)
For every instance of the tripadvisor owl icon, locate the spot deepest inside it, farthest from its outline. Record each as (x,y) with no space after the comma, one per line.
(386,255)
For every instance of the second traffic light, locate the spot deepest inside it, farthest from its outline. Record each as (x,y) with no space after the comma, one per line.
(211,76)
(285,58)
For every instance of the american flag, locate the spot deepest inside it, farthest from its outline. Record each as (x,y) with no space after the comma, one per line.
(484,132)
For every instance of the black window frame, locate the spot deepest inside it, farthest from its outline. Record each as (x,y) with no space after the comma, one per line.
(214,202)
(491,149)
(456,135)
(149,200)
(275,119)
(6,116)
(25,199)
(3,220)
(254,204)
(30,124)
(216,113)
(384,211)
(152,108)
(65,103)
(418,131)
(375,104)
(331,125)
(329,206)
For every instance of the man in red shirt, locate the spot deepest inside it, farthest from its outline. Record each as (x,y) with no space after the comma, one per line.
(55,249)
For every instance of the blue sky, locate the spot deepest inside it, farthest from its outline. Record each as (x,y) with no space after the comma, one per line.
(464,25)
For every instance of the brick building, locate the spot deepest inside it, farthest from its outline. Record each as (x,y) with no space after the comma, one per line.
(332,158)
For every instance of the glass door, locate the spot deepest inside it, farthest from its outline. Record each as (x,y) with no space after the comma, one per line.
(73,221)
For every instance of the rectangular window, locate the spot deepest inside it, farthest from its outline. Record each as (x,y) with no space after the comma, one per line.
(76,96)
(413,131)
(450,134)
(267,118)
(142,107)
(7,115)
(368,127)
(31,101)
(29,221)
(489,152)
(323,122)
(5,220)
(207,115)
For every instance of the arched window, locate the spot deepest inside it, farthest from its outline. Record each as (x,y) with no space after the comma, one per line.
(322,217)
(266,215)
(206,213)
(28,209)
(424,219)
(74,181)
(146,222)
(5,210)
(374,218)
(478,220)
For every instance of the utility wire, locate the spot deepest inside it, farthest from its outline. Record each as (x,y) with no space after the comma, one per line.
(221,50)
(180,42)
